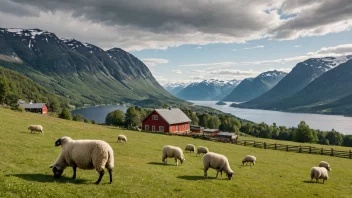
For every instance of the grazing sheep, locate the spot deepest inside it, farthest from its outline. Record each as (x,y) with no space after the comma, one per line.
(218,162)
(84,154)
(35,128)
(319,173)
(202,149)
(190,148)
(121,138)
(172,152)
(249,158)
(325,165)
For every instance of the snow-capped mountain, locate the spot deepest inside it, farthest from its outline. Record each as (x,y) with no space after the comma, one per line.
(300,76)
(174,88)
(211,89)
(251,88)
(82,72)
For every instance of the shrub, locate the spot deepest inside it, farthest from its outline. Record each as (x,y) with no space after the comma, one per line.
(20,109)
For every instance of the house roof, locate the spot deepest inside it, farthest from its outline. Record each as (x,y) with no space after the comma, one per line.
(196,127)
(33,106)
(225,134)
(173,115)
(210,130)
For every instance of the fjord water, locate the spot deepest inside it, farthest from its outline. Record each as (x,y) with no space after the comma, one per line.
(98,113)
(316,121)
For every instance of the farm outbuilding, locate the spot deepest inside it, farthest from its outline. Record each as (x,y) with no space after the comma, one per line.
(171,120)
(226,136)
(35,108)
(196,129)
(211,132)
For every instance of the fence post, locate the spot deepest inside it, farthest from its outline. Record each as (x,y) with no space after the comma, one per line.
(300,149)
(264,145)
(287,148)
(310,149)
(275,146)
(245,142)
(332,152)
(350,154)
(322,151)
(255,144)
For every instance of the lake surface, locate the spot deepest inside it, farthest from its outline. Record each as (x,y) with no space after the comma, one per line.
(316,121)
(98,113)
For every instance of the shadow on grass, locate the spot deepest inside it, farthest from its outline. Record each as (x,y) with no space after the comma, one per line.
(311,182)
(194,178)
(47,178)
(158,163)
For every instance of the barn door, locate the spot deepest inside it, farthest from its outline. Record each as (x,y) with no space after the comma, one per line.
(153,128)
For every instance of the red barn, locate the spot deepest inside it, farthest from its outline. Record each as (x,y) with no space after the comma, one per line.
(35,107)
(167,120)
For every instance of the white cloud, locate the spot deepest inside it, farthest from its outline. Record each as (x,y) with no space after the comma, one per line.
(199,47)
(297,46)
(339,50)
(235,72)
(150,62)
(197,77)
(177,71)
(209,64)
(255,47)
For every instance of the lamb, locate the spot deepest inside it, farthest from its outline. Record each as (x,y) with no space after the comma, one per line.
(202,149)
(325,165)
(121,138)
(190,148)
(35,128)
(249,158)
(319,173)
(84,154)
(218,162)
(172,152)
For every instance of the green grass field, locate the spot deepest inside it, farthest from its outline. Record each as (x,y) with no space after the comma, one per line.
(138,172)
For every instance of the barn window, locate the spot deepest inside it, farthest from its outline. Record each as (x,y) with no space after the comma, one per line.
(146,127)
(155,117)
(161,128)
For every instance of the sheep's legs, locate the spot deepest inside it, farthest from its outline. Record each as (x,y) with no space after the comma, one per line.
(101,174)
(110,174)
(74,171)
(205,172)
(176,161)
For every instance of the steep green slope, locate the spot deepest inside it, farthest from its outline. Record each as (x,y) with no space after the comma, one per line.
(81,72)
(24,88)
(251,88)
(300,76)
(333,86)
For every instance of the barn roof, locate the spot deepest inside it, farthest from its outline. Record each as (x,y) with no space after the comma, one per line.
(210,130)
(173,115)
(225,134)
(33,106)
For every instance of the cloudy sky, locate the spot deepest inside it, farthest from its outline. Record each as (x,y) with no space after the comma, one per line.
(191,40)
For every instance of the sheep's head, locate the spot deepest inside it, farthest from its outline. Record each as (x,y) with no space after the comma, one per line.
(57,170)
(182,160)
(230,174)
(329,168)
(62,141)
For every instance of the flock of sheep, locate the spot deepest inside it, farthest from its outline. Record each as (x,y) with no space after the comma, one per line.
(98,154)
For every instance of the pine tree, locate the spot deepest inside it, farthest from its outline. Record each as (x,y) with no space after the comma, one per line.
(4,89)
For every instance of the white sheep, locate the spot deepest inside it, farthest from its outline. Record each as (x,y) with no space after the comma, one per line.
(84,154)
(325,165)
(202,149)
(35,128)
(249,158)
(190,148)
(121,138)
(172,152)
(218,162)
(319,173)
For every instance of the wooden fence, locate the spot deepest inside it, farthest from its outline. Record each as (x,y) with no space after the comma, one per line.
(298,149)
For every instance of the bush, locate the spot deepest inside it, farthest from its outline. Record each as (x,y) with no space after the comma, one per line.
(65,114)
(78,117)
(86,120)
(20,109)
(93,122)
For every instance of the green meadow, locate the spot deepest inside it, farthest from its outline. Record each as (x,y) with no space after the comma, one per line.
(139,172)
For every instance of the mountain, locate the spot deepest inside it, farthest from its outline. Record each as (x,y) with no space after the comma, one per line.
(251,88)
(26,89)
(82,72)
(300,76)
(207,90)
(328,93)
(174,88)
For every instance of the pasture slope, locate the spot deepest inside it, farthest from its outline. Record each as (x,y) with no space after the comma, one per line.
(138,172)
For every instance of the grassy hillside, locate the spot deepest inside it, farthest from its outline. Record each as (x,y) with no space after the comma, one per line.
(138,170)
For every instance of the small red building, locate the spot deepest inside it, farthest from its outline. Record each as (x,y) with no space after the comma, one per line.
(35,108)
(197,129)
(171,120)
(211,132)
